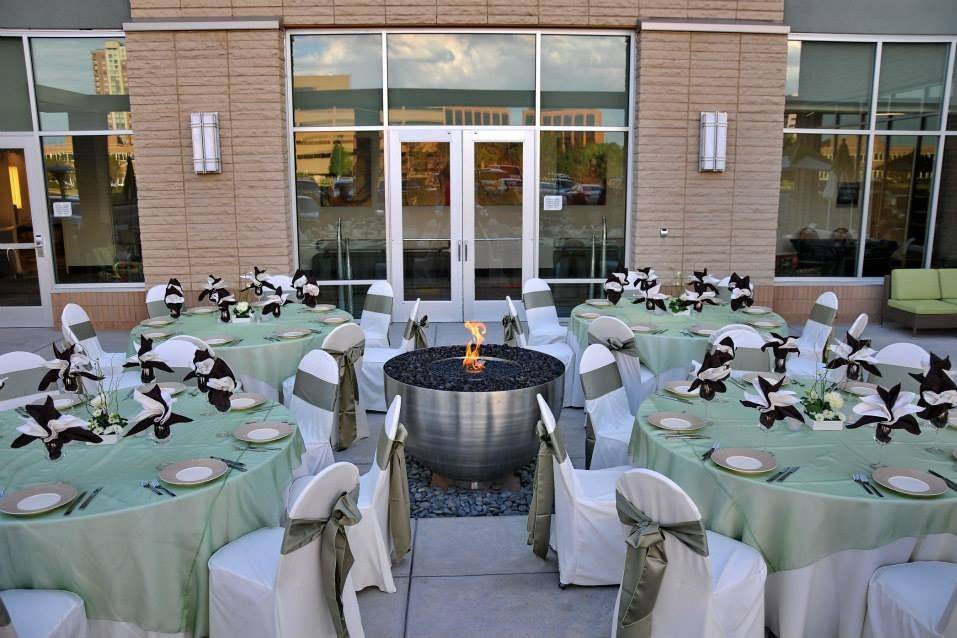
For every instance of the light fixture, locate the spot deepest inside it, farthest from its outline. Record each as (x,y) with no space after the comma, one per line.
(15,196)
(713,145)
(205,129)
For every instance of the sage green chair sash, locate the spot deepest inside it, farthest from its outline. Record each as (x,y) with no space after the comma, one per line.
(315,391)
(348,397)
(823,314)
(378,303)
(646,563)
(22,383)
(7,629)
(176,375)
(390,457)
(600,381)
(751,359)
(83,330)
(628,346)
(540,510)
(416,330)
(157,308)
(590,440)
(335,555)
(512,328)
(892,374)
(537,299)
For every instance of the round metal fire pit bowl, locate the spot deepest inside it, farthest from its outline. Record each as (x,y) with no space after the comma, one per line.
(473,426)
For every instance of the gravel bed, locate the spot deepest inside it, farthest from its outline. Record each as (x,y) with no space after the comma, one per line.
(433,502)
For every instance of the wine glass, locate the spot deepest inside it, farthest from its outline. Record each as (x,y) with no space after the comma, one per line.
(939,423)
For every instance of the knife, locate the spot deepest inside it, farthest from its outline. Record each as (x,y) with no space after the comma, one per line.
(73,505)
(946,480)
(90,498)
(232,464)
(707,455)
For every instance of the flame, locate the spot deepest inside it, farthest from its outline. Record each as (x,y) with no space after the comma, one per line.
(472,362)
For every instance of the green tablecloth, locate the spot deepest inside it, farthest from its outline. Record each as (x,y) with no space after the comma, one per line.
(268,361)
(667,350)
(131,555)
(816,512)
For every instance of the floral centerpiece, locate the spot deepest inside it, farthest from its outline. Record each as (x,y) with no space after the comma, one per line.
(823,403)
(106,423)
(242,310)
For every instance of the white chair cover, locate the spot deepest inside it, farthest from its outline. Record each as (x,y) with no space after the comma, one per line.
(23,372)
(896,361)
(719,595)
(586,533)
(156,301)
(377,314)
(372,379)
(280,281)
(254,590)
(313,404)
(77,328)
(631,284)
(341,339)
(913,600)
(724,293)
(639,381)
(543,326)
(561,351)
(860,324)
(606,407)
(45,613)
(813,340)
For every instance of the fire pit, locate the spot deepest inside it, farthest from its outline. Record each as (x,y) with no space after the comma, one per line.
(471,416)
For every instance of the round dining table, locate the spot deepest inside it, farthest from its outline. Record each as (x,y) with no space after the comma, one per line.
(136,558)
(669,348)
(821,534)
(260,358)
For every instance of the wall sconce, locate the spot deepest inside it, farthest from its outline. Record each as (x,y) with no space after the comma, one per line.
(15,196)
(713,144)
(206,155)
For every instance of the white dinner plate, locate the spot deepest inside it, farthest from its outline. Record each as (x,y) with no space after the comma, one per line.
(766,324)
(682,389)
(323,307)
(744,460)
(757,310)
(157,322)
(598,303)
(245,400)
(642,327)
(193,472)
(335,321)
(156,335)
(217,340)
(171,387)
(294,333)
(202,310)
(264,432)
(702,330)
(909,482)
(588,315)
(860,388)
(37,499)
(675,421)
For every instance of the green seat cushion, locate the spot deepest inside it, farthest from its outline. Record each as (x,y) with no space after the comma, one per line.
(953,301)
(915,283)
(924,306)
(948,282)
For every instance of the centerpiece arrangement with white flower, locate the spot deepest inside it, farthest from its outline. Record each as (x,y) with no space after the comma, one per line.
(105,419)
(242,311)
(823,404)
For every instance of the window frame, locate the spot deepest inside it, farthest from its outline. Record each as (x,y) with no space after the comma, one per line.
(871,132)
(537,128)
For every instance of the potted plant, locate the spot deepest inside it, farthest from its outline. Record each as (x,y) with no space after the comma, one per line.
(822,403)
(242,312)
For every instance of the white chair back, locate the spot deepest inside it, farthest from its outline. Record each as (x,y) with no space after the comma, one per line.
(313,401)
(860,324)
(631,284)
(818,327)
(408,344)
(343,337)
(300,607)
(377,313)
(683,607)
(564,471)
(948,620)
(896,361)
(281,281)
(77,328)
(724,293)
(606,399)
(156,301)
(376,477)
(748,356)
(539,305)
(178,352)
(522,341)
(720,333)
(23,372)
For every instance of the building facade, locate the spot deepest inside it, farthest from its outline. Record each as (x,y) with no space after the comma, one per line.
(458,148)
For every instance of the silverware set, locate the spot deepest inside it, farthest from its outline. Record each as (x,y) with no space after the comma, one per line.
(256,448)
(156,488)
(952,485)
(89,498)
(671,398)
(75,502)
(714,448)
(862,480)
(234,465)
(783,475)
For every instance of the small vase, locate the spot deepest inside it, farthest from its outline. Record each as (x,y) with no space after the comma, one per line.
(242,319)
(835,425)
(108,439)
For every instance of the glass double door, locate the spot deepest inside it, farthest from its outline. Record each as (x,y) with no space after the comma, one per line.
(461,220)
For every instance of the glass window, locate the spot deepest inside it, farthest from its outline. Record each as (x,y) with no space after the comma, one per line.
(340,204)
(15,105)
(19,270)
(952,116)
(945,234)
(80,84)
(822,188)
(582,203)
(585,77)
(454,78)
(901,179)
(91,191)
(828,84)
(912,86)
(337,80)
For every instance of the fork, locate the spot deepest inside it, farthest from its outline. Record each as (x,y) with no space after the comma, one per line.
(156,485)
(146,485)
(858,478)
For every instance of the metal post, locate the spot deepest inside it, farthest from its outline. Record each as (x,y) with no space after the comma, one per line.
(348,277)
(604,246)
(591,267)
(341,292)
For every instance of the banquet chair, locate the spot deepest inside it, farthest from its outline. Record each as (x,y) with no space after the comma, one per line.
(312,401)
(280,281)
(860,324)
(912,600)
(543,326)
(372,377)
(748,356)
(717,595)
(638,380)
(77,328)
(632,283)
(23,372)
(896,362)
(178,352)
(376,314)
(255,590)
(42,613)
(813,340)
(156,301)
(586,533)
(606,409)
(724,293)
(561,351)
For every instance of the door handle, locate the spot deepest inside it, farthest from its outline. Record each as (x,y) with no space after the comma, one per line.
(466,250)
(459,250)
(40,247)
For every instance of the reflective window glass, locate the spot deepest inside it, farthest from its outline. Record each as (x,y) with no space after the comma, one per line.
(337,80)
(80,84)
(945,234)
(828,84)
(912,86)
(15,105)
(952,111)
(584,80)
(461,78)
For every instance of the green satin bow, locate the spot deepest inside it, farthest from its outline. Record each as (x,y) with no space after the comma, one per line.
(416,329)
(513,328)
(543,489)
(335,555)
(627,346)
(348,395)
(646,563)
(390,455)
